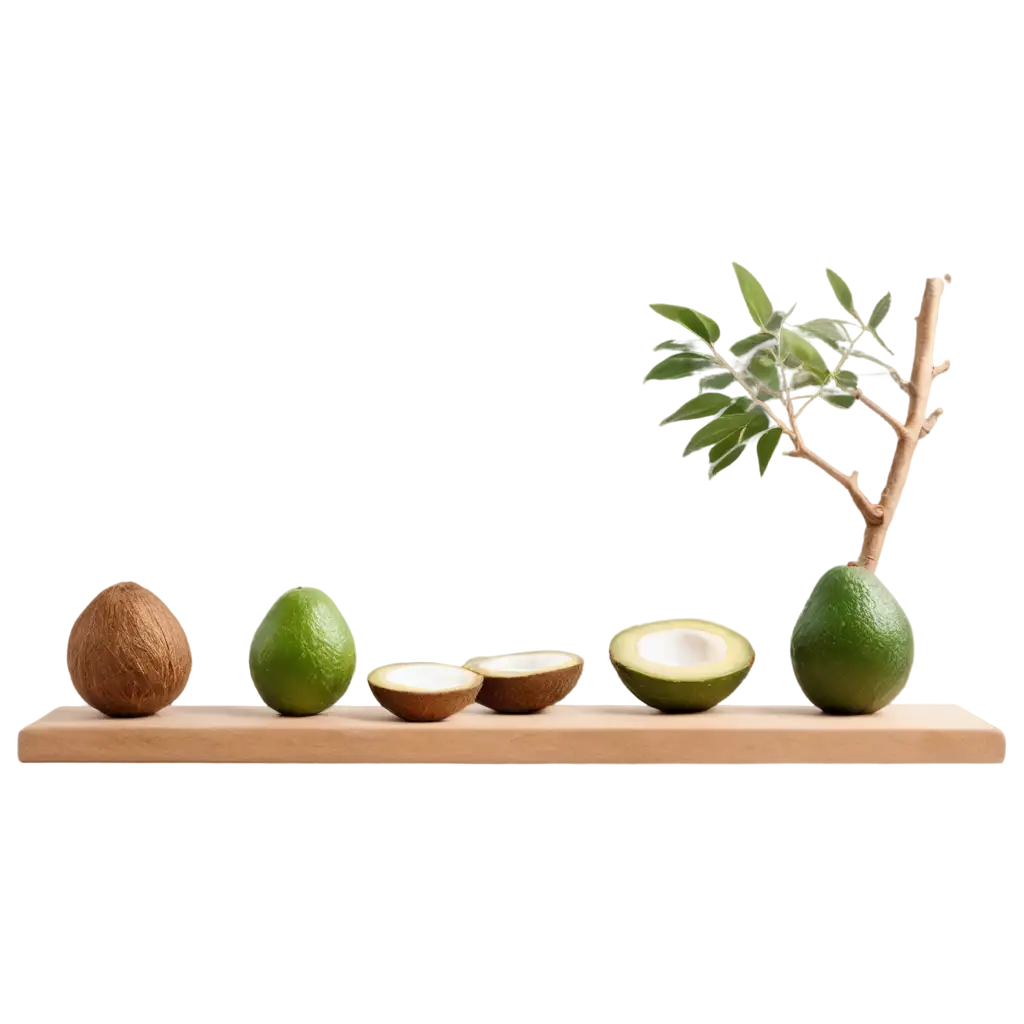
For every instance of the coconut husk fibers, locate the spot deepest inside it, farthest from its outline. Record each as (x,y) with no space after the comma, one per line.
(127,653)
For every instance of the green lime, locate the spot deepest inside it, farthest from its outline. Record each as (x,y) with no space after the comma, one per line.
(302,657)
(852,647)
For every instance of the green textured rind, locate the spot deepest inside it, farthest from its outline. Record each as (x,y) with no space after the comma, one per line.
(852,647)
(674,696)
(302,657)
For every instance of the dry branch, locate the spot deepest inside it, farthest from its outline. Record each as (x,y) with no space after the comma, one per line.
(917,423)
(890,419)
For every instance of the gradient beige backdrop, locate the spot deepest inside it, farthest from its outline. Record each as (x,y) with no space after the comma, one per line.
(364,294)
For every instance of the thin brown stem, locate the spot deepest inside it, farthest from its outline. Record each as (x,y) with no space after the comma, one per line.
(924,371)
(791,430)
(870,512)
(824,465)
(874,407)
(929,424)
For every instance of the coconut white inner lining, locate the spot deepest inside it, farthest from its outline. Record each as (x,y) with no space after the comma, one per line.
(533,661)
(430,677)
(682,647)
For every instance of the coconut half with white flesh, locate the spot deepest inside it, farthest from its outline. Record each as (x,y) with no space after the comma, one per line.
(518,684)
(681,664)
(424,691)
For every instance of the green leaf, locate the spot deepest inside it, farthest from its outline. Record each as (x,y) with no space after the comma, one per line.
(728,459)
(721,449)
(841,385)
(847,377)
(875,335)
(834,387)
(723,310)
(713,434)
(763,367)
(831,332)
(800,351)
(723,383)
(659,352)
(717,439)
(744,459)
(682,364)
(754,296)
(731,443)
(878,313)
(675,343)
(741,348)
(842,291)
(841,399)
(758,423)
(703,326)
(741,403)
(806,379)
(766,445)
(697,408)
(665,306)
(775,321)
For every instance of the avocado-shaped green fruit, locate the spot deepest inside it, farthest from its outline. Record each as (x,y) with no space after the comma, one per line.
(852,646)
(681,664)
(303,656)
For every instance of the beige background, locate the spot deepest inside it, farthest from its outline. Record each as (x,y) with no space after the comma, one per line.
(267,281)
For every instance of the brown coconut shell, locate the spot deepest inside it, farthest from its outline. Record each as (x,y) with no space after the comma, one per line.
(424,707)
(522,694)
(127,653)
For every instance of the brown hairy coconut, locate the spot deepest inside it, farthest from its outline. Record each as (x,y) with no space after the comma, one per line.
(127,653)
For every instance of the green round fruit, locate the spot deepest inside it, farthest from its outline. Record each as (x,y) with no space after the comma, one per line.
(852,647)
(302,657)
(681,665)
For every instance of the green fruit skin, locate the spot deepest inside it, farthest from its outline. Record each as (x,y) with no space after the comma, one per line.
(852,647)
(302,657)
(681,697)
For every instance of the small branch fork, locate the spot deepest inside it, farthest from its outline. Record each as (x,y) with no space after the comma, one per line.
(890,419)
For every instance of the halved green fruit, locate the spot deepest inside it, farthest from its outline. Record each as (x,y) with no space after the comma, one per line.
(681,664)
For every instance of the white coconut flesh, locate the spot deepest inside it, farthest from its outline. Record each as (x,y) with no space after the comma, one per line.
(682,649)
(529,663)
(424,677)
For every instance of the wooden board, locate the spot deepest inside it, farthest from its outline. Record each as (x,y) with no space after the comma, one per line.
(570,734)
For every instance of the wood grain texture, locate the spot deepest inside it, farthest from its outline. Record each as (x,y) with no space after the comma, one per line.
(566,734)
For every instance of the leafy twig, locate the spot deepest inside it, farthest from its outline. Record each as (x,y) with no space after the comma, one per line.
(791,430)
(795,363)
(800,449)
(842,360)
(726,365)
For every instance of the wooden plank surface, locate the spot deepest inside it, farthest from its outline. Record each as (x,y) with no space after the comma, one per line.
(568,734)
